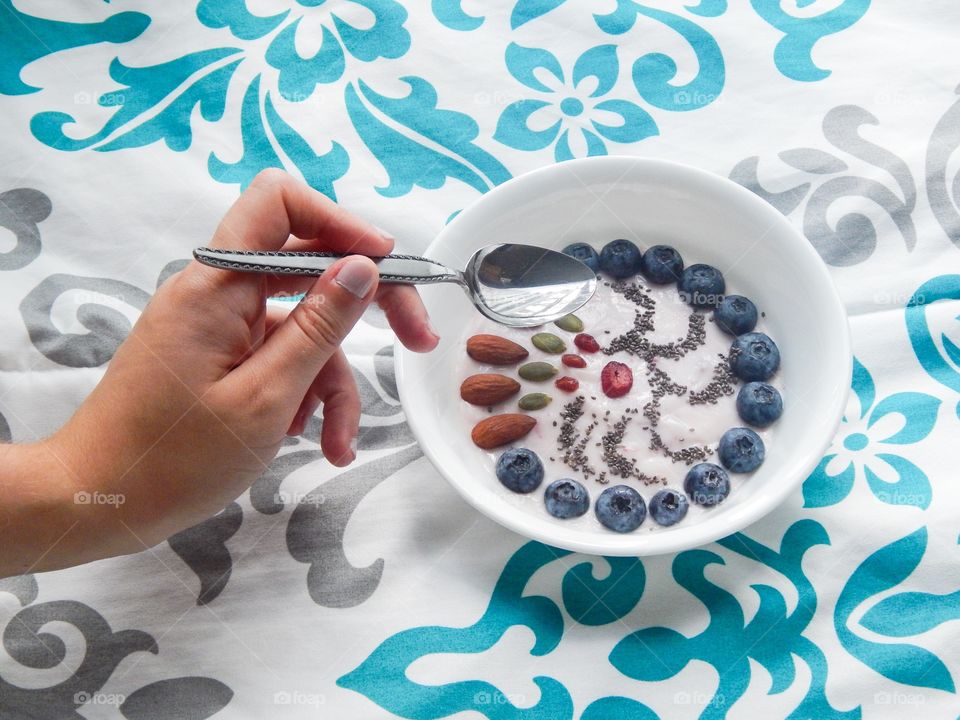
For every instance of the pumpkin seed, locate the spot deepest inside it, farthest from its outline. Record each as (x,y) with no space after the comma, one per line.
(549,343)
(570,323)
(534,401)
(537,371)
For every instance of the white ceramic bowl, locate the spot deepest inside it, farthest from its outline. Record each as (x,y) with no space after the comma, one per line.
(708,219)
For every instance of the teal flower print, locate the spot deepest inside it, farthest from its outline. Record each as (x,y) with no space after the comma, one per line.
(382,36)
(593,598)
(869,431)
(571,116)
(268,55)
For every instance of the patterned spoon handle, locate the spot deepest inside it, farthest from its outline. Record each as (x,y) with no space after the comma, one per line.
(406,269)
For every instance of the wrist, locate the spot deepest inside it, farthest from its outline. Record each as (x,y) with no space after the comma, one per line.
(38,519)
(90,492)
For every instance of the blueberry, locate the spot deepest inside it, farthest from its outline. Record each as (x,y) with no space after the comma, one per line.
(702,285)
(707,484)
(585,254)
(620,259)
(741,450)
(735,315)
(520,470)
(566,499)
(661,264)
(759,404)
(668,507)
(621,508)
(754,356)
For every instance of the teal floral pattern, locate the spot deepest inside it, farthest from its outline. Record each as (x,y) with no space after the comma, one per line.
(938,351)
(800,34)
(864,447)
(652,653)
(418,143)
(281,60)
(580,117)
(899,615)
(298,76)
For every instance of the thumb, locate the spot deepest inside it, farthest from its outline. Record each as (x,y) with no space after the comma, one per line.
(303,343)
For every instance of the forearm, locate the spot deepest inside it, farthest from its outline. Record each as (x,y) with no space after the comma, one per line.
(42,526)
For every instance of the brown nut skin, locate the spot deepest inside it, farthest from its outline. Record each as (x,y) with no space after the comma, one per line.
(492,432)
(495,350)
(487,389)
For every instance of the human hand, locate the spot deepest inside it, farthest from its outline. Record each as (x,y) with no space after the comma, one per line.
(197,400)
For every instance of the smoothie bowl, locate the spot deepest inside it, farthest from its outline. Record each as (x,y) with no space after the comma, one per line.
(650,422)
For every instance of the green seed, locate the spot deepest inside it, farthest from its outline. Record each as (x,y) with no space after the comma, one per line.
(537,371)
(534,401)
(549,343)
(570,323)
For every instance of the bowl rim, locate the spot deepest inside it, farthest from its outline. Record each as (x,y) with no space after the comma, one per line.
(650,544)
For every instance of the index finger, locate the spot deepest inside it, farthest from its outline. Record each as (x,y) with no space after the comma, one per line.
(276,205)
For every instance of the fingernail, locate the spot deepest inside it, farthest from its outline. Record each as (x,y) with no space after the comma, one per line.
(384,234)
(353,450)
(432,330)
(356,277)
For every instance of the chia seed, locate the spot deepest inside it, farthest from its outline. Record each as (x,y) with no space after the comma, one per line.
(723,384)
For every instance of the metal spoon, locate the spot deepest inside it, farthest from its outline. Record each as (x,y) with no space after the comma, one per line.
(512,284)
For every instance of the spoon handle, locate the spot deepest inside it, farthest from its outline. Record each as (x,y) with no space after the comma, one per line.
(405,269)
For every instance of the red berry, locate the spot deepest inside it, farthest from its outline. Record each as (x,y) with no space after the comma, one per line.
(566,383)
(587,343)
(616,379)
(571,360)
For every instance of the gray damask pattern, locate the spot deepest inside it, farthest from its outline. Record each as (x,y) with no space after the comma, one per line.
(204,549)
(103,649)
(5,434)
(107,327)
(21,210)
(944,194)
(315,532)
(853,238)
(182,698)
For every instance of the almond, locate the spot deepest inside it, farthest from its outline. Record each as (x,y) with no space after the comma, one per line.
(501,429)
(495,350)
(488,388)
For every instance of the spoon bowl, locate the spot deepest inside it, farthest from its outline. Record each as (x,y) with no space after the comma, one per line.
(523,285)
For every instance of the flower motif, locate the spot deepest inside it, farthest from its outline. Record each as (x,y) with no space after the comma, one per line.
(598,594)
(385,37)
(868,430)
(570,116)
